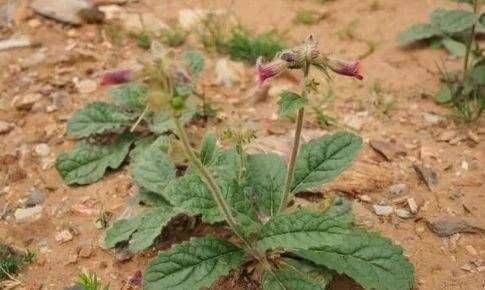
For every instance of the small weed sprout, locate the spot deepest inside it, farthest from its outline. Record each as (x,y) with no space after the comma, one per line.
(308,17)
(173,37)
(90,281)
(11,261)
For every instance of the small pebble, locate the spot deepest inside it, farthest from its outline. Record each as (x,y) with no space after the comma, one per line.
(471,250)
(383,210)
(63,236)
(42,150)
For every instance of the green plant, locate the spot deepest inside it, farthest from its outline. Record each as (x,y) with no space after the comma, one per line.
(11,261)
(173,36)
(457,31)
(89,281)
(447,28)
(293,248)
(142,38)
(243,45)
(108,130)
(308,17)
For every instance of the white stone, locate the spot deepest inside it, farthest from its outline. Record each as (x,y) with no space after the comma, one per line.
(15,42)
(226,72)
(64,236)
(23,214)
(66,11)
(26,102)
(5,127)
(86,86)
(42,150)
(383,210)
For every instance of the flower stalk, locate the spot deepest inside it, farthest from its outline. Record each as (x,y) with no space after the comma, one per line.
(214,189)
(296,144)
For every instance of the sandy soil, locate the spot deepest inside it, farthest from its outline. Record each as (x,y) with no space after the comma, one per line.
(408,76)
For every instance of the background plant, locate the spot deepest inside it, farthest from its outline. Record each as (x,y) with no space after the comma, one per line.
(11,261)
(457,30)
(293,248)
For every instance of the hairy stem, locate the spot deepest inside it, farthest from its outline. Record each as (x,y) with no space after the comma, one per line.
(470,43)
(296,145)
(211,183)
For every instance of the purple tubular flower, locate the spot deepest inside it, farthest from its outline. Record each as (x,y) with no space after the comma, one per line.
(115,77)
(346,68)
(270,69)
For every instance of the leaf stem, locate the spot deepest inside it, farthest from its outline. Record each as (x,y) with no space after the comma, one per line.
(211,183)
(469,43)
(296,145)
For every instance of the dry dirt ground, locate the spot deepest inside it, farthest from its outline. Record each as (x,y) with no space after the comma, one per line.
(413,123)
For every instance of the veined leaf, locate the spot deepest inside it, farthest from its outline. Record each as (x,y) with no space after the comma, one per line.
(191,193)
(369,259)
(444,95)
(303,229)
(266,177)
(192,265)
(151,168)
(161,122)
(195,62)
(322,159)
(98,118)
(456,48)
(295,274)
(288,280)
(142,229)
(417,32)
(208,148)
(129,96)
(478,74)
(453,21)
(87,163)
(151,225)
(151,198)
(290,102)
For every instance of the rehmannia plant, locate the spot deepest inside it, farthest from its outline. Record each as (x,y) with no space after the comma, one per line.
(251,194)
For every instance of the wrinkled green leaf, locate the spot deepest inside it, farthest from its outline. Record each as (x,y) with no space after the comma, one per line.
(151,226)
(142,229)
(152,169)
(454,47)
(121,231)
(302,229)
(478,75)
(195,62)
(369,259)
(129,96)
(417,32)
(161,122)
(208,148)
(453,21)
(98,118)
(87,163)
(192,265)
(191,193)
(151,198)
(289,279)
(322,159)
(266,176)
(444,95)
(290,102)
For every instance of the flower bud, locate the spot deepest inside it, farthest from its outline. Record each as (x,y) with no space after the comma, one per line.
(346,68)
(270,69)
(115,77)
